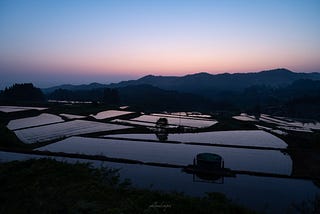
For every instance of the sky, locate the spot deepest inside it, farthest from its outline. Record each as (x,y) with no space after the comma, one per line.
(82,41)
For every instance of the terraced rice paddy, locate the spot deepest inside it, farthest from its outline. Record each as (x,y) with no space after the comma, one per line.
(110,114)
(146,124)
(241,138)
(185,116)
(62,130)
(8,109)
(189,114)
(188,122)
(42,119)
(72,116)
(281,122)
(291,125)
(181,154)
(245,117)
(276,131)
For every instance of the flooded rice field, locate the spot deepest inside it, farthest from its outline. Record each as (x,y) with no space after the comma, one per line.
(62,130)
(276,131)
(110,114)
(282,123)
(42,119)
(262,194)
(290,124)
(139,123)
(263,178)
(245,117)
(8,109)
(178,154)
(72,116)
(240,138)
(179,121)
(185,116)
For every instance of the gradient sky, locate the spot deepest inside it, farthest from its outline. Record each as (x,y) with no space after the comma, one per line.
(77,41)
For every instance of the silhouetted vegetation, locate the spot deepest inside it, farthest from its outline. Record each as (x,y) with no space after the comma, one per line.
(105,95)
(48,186)
(21,93)
(8,139)
(150,98)
(207,85)
(145,97)
(307,206)
(298,99)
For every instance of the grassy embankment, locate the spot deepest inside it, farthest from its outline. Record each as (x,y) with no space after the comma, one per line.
(49,186)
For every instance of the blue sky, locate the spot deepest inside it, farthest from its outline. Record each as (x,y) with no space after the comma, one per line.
(50,42)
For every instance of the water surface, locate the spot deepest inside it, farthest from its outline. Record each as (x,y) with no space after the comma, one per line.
(181,154)
(241,138)
(41,119)
(66,129)
(189,122)
(110,114)
(270,195)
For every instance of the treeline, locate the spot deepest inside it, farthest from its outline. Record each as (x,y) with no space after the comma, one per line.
(104,95)
(299,99)
(25,92)
(144,97)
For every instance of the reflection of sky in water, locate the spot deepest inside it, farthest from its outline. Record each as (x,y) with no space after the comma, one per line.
(243,138)
(66,129)
(110,113)
(255,192)
(177,121)
(8,109)
(41,119)
(133,122)
(290,124)
(234,158)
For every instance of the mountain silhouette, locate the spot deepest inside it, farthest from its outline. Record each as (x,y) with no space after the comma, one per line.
(278,91)
(205,84)
(70,87)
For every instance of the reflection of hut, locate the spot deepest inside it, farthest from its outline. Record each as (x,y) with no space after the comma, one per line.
(162,136)
(208,167)
(208,161)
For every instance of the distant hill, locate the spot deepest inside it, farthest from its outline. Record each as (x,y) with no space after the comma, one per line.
(209,84)
(70,87)
(144,97)
(205,84)
(148,97)
(280,92)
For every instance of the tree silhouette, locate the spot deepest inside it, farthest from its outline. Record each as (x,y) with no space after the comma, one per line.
(25,92)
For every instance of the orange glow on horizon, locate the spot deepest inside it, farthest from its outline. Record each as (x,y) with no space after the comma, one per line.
(165,63)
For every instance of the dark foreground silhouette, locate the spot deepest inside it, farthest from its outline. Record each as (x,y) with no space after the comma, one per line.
(49,186)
